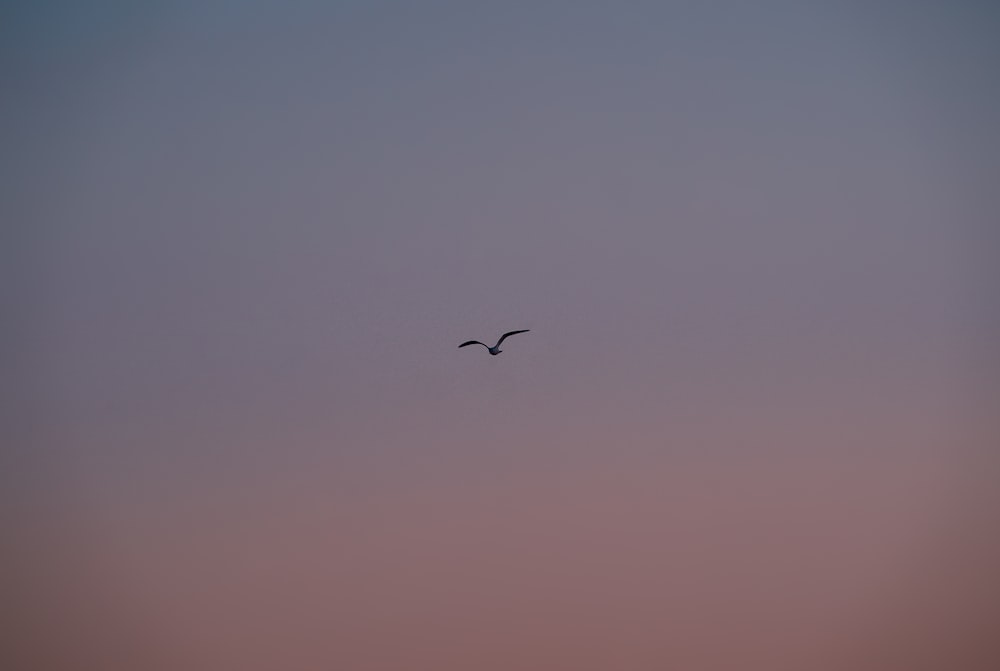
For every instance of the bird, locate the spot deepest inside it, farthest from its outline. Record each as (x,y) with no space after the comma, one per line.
(496,348)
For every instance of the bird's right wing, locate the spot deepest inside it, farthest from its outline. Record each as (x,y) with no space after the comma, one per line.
(472,342)
(510,333)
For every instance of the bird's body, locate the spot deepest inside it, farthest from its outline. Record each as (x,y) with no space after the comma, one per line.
(496,348)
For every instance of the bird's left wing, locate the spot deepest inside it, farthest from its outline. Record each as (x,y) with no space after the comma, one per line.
(472,342)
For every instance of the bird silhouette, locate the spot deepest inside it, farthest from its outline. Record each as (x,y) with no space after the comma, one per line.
(496,348)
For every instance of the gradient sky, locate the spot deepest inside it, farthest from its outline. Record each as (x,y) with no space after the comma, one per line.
(754,423)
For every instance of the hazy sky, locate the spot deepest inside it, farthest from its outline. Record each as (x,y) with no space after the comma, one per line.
(753,425)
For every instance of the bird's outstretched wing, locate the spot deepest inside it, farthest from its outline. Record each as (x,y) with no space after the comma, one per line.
(510,333)
(473,342)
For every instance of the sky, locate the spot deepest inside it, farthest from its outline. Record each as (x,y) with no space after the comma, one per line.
(753,424)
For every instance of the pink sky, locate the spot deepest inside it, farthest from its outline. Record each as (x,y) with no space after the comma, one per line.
(753,425)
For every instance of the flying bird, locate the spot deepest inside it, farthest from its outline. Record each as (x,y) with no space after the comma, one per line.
(496,348)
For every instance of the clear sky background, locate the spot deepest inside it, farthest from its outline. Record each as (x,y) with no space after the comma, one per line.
(754,424)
